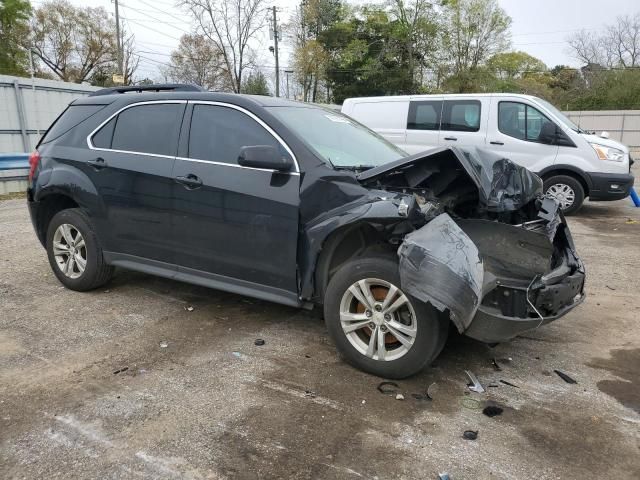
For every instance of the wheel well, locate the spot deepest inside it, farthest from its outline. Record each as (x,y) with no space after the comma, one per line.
(49,206)
(568,173)
(342,246)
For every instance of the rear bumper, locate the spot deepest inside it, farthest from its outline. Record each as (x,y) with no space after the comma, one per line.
(609,186)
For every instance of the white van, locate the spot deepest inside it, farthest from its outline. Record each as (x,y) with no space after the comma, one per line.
(573,163)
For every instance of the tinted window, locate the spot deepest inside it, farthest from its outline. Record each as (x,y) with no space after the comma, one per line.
(103,137)
(424,115)
(72,116)
(218,134)
(520,121)
(461,115)
(148,129)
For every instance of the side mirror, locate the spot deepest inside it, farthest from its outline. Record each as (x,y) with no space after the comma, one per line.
(264,156)
(548,133)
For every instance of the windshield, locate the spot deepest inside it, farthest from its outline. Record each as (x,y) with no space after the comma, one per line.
(561,116)
(336,138)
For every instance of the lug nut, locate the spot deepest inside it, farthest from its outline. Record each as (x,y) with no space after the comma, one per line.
(387,317)
(378,308)
(368,313)
(383,328)
(372,326)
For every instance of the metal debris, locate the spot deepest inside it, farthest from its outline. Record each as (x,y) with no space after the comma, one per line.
(475,385)
(508,383)
(121,370)
(492,411)
(470,434)
(565,377)
(388,391)
(259,342)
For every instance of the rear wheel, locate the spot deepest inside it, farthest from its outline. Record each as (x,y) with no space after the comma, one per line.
(567,190)
(375,325)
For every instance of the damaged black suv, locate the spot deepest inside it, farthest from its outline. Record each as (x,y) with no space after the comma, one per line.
(300,205)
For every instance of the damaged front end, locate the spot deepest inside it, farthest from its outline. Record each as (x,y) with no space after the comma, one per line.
(491,250)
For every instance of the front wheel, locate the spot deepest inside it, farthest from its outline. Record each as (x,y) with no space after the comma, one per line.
(375,325)
(567,190)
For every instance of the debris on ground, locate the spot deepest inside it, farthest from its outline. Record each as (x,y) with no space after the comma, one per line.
(432,390)
(496,366)
(474,385)
(121,370)
(399,396)
(470,403)
(310,394)
(189,308)
(164,344)
(470,434)
(630,221)
(565,377)
(492,411)
(509,383)
(237,354)
(259,342)
(610,288)
(388,388)
(444,476)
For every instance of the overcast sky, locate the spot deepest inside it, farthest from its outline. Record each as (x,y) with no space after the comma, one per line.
(539,27)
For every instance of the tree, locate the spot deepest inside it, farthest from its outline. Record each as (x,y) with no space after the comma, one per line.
(310,63)
(14,37)
(512,65)
(73,42)
(473,31)
(103,74)
(197,60)
(231,25)
(255,84)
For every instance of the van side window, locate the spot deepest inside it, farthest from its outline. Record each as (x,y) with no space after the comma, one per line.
(521,121)
(424,115)
(461,115)
(104,136)
(218,133)
(151,128)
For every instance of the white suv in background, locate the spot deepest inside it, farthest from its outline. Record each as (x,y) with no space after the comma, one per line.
(573,163)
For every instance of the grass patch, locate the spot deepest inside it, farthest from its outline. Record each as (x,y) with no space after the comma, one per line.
(13,196)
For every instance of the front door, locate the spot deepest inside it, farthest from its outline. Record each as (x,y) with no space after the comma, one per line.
(233,224)
(130,163)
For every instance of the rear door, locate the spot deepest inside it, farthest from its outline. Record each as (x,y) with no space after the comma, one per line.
(233,224)
(514,131)
(464,121)
(423,124)
(130,163)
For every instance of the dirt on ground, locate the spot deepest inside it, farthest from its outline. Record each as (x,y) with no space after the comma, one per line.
(149,378)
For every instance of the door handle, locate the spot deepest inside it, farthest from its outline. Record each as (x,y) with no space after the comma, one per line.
(453,139)
(98,163)
(190,181)
(496,143)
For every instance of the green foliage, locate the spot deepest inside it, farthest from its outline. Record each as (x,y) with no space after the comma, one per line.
(255,84)
(14,35)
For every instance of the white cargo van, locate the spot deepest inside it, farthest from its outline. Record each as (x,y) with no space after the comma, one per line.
(573,163)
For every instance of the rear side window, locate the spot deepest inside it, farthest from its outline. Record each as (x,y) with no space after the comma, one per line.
(103,137)
(520,121)
(424,115)
(461,115)
(218,134)
(72,116)
(148,129)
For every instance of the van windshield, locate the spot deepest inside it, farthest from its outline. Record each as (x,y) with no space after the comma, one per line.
(561,116)
(336,138)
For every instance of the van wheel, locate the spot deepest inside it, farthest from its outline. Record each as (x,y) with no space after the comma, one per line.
(567,190)
(376,326)
(74,252)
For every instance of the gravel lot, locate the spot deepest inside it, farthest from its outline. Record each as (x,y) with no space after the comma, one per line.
(87,389)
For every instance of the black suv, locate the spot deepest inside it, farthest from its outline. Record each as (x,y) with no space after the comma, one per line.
(300,205)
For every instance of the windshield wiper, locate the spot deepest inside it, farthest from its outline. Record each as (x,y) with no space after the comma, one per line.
(353,167)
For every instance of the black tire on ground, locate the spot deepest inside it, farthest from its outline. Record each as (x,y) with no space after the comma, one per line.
(571,182)
(96,272)
(432,327)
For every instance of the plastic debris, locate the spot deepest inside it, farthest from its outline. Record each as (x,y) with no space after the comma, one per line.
(470,434)
(236,354)
(444,476)
(121,370)
(259,342)
(399,396)
(492,411)
(475,385)
(382,388)
(565,377)
(164,344)
(508,383)
(189,308)
(432,390)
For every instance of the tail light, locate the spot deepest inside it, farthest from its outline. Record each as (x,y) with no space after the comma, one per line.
(34,160)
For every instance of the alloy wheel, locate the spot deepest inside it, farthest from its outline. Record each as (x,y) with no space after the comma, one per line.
(70,250)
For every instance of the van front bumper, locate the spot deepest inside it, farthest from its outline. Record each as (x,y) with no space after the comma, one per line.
(609,186)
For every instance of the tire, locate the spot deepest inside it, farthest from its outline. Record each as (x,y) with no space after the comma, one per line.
(86,247)
(568,184)
(381,272)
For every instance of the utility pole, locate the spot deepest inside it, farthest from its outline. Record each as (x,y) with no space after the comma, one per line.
(287,72)
(275,41)
(119,56)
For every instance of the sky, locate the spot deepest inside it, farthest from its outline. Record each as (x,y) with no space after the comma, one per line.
(539,27)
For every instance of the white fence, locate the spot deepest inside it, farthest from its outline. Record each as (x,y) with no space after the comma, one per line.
(622,125)
(27,108)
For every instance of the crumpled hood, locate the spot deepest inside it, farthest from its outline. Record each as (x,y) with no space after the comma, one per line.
(502,184)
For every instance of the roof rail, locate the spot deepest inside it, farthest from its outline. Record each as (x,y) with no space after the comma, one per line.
(174,87)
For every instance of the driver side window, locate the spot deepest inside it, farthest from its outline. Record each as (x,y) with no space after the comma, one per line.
(522,121)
